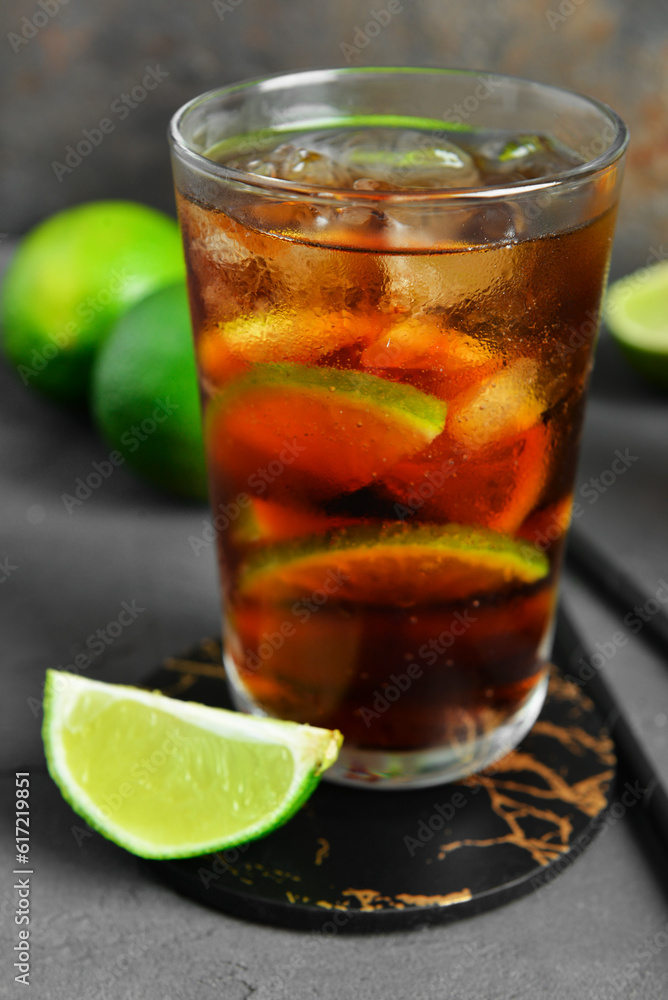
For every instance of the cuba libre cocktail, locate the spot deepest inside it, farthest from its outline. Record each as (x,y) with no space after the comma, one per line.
(394,319)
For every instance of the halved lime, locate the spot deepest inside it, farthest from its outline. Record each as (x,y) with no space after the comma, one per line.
(169,779)
(396,565)
(636,312)
(319,429)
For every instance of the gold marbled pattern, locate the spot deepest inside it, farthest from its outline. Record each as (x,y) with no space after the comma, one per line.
(537,802)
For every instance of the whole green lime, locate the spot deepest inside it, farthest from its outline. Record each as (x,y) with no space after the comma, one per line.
(144,393)
(71,278)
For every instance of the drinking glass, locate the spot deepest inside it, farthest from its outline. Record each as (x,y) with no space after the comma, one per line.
(395,278)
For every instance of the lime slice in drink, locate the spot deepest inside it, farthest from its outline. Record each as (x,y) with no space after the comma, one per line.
(636,312)
(169,779)
(316,429)
(396,565)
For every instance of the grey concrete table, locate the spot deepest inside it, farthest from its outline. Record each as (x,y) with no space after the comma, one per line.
(102,927)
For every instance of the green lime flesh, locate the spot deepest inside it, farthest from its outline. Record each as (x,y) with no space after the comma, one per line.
(636,312)
(164,778)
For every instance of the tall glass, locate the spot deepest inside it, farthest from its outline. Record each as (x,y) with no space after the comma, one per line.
(393,375)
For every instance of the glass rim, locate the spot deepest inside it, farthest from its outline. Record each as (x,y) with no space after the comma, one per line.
(277,186)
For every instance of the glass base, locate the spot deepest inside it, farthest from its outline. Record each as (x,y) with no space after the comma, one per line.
(437,765)
(392,771)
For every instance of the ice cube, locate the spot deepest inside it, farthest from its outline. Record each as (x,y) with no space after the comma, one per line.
(461,281)
(425,161)
(524,157)
(402,158)
(509,402)
(213,235)
(492,224)
(305,165)
(369,184)
(496,486)
(425,341)
(369,159)
(297,336)
(221,255)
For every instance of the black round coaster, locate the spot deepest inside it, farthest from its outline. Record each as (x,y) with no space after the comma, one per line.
(360,860)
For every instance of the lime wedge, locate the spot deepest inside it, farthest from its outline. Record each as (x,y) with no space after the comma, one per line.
(397,565)
(330,431)
(170,779)
(636,313)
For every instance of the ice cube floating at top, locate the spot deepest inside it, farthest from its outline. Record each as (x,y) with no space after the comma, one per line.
(377,159)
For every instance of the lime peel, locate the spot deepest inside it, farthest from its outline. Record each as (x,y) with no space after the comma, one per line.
(166,779)
(396,565)
(403,403)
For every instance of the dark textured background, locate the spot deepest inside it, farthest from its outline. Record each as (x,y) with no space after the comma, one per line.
(66,77)
(103,928)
